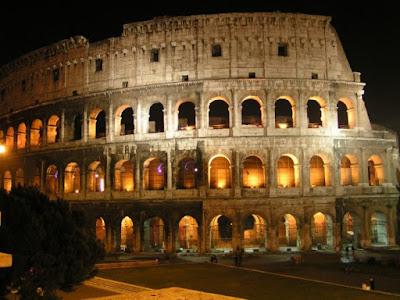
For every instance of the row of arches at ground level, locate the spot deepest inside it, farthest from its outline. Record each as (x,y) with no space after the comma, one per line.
(187,177)
(218,118)
(253,238)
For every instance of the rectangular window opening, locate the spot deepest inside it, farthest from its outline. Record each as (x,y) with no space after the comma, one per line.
(216,50)
(154,55)
(282,50)
(99,64)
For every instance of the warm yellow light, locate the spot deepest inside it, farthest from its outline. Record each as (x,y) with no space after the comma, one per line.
(2,149)
(283,125)
(221,184)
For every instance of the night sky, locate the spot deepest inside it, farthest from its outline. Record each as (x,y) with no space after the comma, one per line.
(369,34)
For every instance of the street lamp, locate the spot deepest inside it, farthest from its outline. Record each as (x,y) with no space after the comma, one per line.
(2,149)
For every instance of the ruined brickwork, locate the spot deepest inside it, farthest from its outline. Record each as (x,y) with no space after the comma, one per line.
(204,133)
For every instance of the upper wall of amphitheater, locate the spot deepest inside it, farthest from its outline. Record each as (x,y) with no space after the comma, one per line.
(174,49)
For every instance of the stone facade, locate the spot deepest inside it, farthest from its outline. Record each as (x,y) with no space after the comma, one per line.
(175,136)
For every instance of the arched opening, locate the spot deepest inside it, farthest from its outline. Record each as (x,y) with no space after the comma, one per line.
(318,172)
(188,234)
(156,118)
(345,114)
(10,138)
(19,177)
(288,172)
(351,230)
(349,170)
(154,235)
(375,171)
(36,132)
(154,174)
(253,172)
(21,136)
(219,173)
(72,178)
(321,232)
(284,113)
(251,113)
(101,230)
(123,176)
(77,127)
(126,125)
(218,114)
(378,229)
(289,235)
(97,124)
(221,234)
(95,177)
(53,129)
(314,114)
(186,116)
(187,170)
(36,177)
(343,122)
(7,181)
(254,234)
(101,124)
(52,180)
(127,236)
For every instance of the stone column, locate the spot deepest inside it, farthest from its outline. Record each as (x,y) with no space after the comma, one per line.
(272,238)
(365,229)
(137,235)
(305,232)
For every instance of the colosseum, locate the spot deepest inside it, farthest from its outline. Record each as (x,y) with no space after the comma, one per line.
(204,133)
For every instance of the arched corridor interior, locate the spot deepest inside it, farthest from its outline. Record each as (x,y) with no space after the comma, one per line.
(351,230)
(127,234)
(188,234)
(221,234)
(289,235)
(321,232)
(254,234)
(154,235)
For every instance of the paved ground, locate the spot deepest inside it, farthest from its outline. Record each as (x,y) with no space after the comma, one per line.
(316,266)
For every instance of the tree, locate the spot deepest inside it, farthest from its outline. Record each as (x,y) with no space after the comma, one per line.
(50,245)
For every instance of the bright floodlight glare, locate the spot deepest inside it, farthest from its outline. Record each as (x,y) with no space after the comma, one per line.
(2,149)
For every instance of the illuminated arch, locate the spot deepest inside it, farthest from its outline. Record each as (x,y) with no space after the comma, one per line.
(21,136)
(186,114)
(127,236)
(253,172)
(219,170)
(322,231)
(154,174)
(319,171)
(346,113)
(285,112)
(220,233)
(53,129)
(36,133)
(218,113)
(7,181)
(95,177)
(156,118)
(378,229)
(52,180)
(349,173)
(72,178)
(101,230)
(351,230)
(10,137)
(186,173)
(254,233)
(289,235)
(288,171)
(316,112)
(252,111)
(97,123)
(19,177)
(375,170)
(124,120)
(188,233)
(123,176)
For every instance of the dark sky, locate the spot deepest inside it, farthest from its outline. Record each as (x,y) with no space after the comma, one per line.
(369,34)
